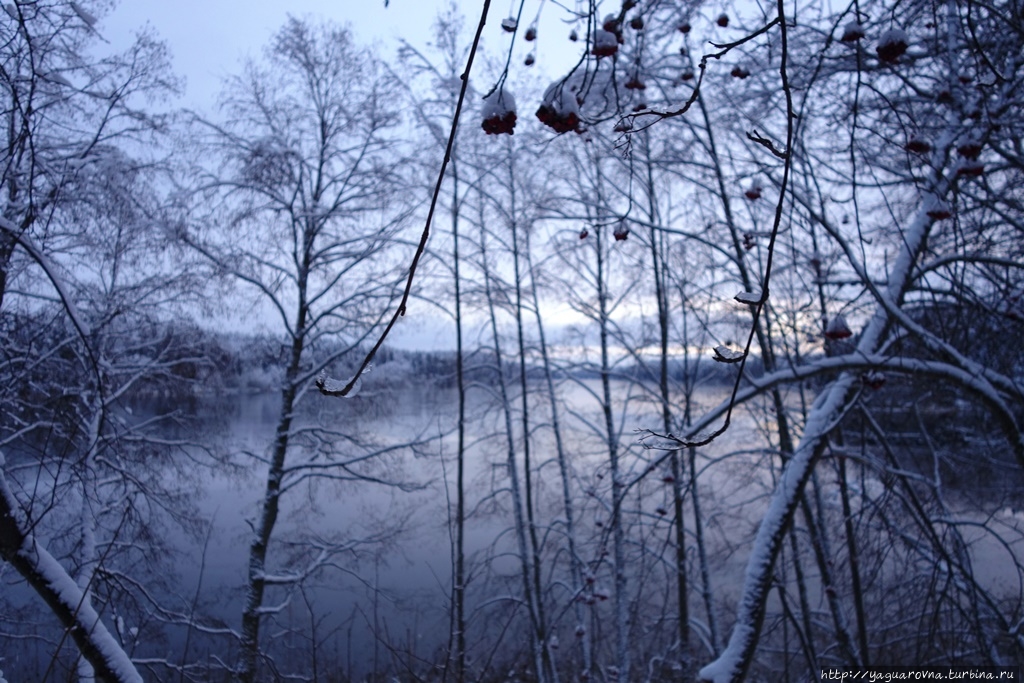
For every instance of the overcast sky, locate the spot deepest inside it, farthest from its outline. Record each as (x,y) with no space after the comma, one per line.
(209,38)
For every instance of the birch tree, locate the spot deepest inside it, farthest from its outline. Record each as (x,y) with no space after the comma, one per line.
(306,201)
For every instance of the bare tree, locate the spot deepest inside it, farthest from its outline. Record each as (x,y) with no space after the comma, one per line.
(305,201)
(845,174)
(78,216)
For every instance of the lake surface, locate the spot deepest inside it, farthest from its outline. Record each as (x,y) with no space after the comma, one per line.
(384,602)
(397,593)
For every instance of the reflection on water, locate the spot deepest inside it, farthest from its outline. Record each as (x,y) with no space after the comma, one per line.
(385,598)
(393,577)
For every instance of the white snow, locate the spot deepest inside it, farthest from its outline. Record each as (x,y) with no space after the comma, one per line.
(71,597)
(838,327)
(562,98)
(89,19)
(605,40)
(1010,513)
(53,77)
(751,298)
(57,78)
(770,533)
(937,206)
(894,36)
(334,386)
(758,574)
(853,28)
(499,103)
(723,354)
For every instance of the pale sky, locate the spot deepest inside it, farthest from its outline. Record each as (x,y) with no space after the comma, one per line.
(210,38)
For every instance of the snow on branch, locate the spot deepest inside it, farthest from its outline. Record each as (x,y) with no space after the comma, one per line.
(65,598)
(723,354)
(889,303)
(869,365)
(169,616)
(76,318)
(750,298)
(345,389)
(732,664)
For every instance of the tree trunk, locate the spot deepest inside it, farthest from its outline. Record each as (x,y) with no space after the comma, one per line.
(576,563)
(542,634)
(252,611)
(522,534)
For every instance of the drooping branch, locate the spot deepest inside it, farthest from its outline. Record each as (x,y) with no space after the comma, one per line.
(323,381)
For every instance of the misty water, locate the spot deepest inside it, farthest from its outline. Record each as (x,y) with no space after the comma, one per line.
(395,588)
(396,593)
(387,599)
(391,586)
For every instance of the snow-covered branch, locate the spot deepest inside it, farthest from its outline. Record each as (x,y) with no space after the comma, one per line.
(20,548)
